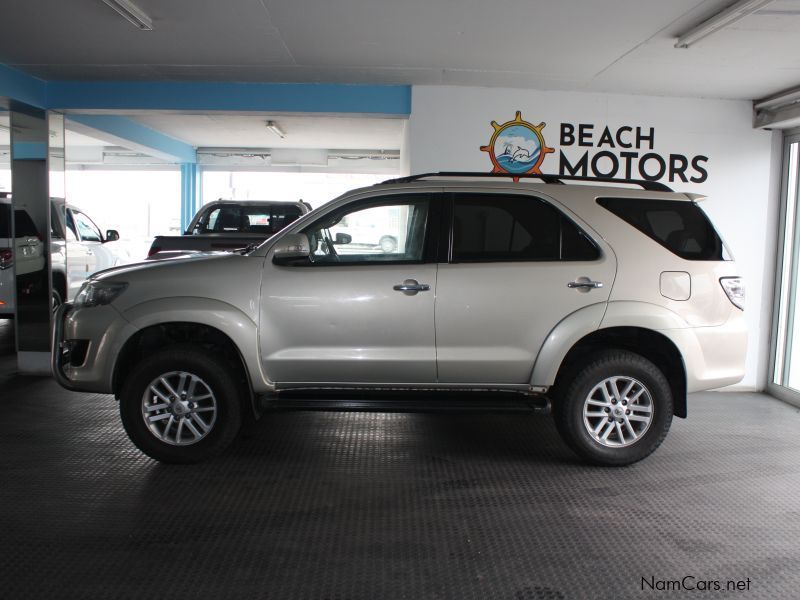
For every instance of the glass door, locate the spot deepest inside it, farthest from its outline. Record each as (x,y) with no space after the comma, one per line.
(785,381)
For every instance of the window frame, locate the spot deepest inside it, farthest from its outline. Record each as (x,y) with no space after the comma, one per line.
(450,235)
(429,243)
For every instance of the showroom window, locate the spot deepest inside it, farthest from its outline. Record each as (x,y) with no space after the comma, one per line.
(391,230)
(786,341)
(490,228)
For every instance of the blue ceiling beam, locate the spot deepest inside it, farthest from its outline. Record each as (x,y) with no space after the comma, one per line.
(393,100)
(131,134)
(23,87)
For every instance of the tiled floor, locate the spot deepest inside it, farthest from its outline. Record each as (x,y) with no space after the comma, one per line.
(371,506)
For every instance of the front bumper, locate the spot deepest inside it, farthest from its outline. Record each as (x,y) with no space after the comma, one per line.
(85,347)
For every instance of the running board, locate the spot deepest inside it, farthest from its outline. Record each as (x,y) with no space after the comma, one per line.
(390,403)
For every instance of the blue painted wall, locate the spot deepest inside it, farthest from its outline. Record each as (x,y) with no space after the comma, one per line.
(211,96)
(167,147)
(23,87)
(190,193)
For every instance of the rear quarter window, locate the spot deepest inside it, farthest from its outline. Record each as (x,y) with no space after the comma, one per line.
(680,227)
(5,220)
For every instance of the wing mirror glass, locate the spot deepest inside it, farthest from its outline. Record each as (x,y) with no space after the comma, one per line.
(291,247)
(112,235)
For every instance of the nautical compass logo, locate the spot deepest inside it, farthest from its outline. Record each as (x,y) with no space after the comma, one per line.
(517,147)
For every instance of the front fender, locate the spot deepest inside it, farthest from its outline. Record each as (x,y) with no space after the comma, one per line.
(228,319)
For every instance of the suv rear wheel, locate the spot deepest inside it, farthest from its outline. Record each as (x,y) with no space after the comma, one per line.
(181,405)
(616,410)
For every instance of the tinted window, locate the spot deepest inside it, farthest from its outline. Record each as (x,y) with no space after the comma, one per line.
(508,228)
(5,220)
(681,227)
(256,219)
(23,224)
(72,233)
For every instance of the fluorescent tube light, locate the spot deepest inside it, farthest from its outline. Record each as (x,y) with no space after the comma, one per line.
(723,19)
(273,127)
(132,13)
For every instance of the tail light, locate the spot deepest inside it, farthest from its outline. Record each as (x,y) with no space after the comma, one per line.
(6,258)
(153,250)
(734,289)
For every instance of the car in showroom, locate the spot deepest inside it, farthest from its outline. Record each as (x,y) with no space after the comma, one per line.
(78,249)
(609,303)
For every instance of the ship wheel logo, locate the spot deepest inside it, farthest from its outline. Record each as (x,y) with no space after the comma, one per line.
(517,147)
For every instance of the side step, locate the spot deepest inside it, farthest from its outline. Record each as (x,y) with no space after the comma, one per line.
(417,402)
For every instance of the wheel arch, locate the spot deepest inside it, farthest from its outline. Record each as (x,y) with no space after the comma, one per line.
(172,333)
(650,344)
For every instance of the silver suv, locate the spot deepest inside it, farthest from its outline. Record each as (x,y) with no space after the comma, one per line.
(608,303)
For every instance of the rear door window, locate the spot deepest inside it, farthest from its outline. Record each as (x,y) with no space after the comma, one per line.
(680,227)
(5,220)
(495,227)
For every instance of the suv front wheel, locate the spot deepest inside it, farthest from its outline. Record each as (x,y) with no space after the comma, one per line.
(616,410)
(181,405)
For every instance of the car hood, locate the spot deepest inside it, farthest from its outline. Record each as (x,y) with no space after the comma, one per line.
(179,262)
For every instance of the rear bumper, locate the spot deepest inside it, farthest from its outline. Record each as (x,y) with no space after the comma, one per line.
(714,357)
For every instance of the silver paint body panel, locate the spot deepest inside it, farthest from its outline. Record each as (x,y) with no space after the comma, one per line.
(480,326)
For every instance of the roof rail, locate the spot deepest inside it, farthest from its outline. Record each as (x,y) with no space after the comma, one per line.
(651,186)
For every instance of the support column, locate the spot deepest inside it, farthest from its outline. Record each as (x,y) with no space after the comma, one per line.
(190,193)
(37,176)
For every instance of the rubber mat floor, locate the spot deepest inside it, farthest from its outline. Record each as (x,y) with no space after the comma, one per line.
(328,505)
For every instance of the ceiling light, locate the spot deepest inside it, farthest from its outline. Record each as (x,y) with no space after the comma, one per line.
(730,15)
(273,127)
(132,13)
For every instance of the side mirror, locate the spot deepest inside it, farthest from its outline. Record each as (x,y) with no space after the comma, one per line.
(343,238)
(291,247)
(112,235)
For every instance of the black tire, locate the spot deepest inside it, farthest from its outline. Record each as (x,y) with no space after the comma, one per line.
(576,428)
(212,372)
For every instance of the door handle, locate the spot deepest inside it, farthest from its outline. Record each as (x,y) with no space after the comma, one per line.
(411,286)
(585,284)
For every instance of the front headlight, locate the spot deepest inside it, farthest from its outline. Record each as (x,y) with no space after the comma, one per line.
(98,293)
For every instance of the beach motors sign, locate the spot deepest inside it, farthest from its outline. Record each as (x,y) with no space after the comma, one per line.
(588,150)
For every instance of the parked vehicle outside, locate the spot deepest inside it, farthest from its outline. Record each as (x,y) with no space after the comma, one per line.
(228,225)
(609,303)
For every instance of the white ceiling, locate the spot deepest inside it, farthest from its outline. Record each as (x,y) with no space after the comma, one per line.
(595,45)
(345,133)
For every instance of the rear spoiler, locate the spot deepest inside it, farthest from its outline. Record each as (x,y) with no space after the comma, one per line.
(696,197)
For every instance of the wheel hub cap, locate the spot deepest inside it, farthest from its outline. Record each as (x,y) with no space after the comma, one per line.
(618,411)
(179,408)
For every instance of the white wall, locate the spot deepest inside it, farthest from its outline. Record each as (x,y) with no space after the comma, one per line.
(449,124)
